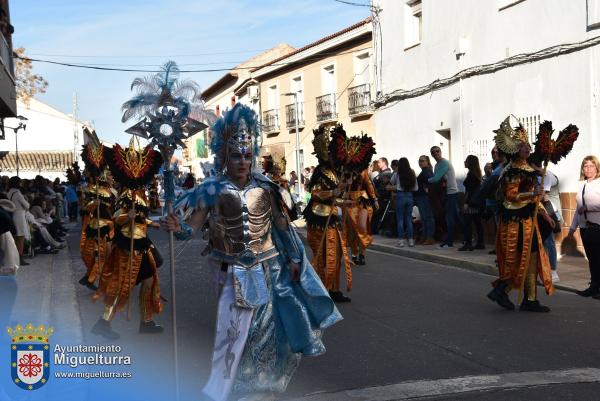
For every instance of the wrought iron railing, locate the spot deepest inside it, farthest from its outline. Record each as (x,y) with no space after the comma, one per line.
(326,109)
(359,99)
(270,120)
(290,115)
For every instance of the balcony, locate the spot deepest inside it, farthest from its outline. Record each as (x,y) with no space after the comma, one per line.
(359,100)
(8,103)
(326,110)
(270,121)
(290,115)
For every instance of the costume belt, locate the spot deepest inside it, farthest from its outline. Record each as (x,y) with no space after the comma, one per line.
(245,258)
(355,195)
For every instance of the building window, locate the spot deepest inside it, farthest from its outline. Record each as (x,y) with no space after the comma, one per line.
(413,23)
(273,97)
(593,14)
(504,4)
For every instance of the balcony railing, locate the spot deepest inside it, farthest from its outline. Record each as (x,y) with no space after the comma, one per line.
(290,115)
(326,109)
(359,99)
(270,121)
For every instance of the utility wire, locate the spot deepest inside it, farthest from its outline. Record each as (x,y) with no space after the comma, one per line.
(351,3)
(104,68)
(523,58)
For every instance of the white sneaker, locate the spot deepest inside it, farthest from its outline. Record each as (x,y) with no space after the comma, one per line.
(402,243)
(411,242)
(555,278)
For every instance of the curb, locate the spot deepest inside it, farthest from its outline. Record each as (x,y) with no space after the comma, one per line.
(490,270)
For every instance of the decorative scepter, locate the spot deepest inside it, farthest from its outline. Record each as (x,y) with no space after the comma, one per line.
(167,107)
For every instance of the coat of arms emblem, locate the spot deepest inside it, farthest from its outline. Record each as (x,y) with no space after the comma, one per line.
(30,355)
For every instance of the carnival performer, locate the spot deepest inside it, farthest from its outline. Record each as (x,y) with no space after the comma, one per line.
(133,259)
(519,246)
(99,229)
(154,196)
(324,226)
(272,307)
(352,157)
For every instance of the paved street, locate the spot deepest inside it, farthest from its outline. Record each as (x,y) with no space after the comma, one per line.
(413,329)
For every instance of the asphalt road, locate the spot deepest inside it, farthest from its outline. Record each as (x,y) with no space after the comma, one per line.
(411,323)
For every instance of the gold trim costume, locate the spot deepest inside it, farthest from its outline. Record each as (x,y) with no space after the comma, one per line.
(133,259)
(519,245)
(98,232)
(324,227)
(359,215)
(119,278)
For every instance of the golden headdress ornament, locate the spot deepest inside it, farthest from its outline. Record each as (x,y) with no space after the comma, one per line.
(508,138)
(321,143)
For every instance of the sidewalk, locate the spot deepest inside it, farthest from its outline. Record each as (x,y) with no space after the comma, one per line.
(573,271)
(46,295)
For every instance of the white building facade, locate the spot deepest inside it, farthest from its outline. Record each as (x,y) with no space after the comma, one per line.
(423,44)
(48,145)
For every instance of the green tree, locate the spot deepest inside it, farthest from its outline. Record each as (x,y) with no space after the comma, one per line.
(27,83)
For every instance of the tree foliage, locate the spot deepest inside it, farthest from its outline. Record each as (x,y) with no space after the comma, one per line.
(27,83)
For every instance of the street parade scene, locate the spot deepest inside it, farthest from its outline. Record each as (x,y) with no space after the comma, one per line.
(320,200)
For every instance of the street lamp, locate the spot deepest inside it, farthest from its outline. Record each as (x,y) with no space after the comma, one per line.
(16,130)
(297,116)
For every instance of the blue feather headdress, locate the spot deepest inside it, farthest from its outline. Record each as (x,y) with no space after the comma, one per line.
(238,127)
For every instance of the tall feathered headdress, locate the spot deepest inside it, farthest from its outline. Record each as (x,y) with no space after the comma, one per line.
(94,154)
(547,149)
(73,174)
(508,138)
(352,154)
(237,129)
(134,168)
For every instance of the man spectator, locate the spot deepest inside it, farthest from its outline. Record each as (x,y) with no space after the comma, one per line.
(72,201)
(444,169)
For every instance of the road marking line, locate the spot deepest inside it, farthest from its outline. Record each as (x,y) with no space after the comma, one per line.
(445,387)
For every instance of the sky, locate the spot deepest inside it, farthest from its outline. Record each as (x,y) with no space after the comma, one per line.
(136,34)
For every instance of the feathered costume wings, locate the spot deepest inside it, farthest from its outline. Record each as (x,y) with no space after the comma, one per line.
(547,149)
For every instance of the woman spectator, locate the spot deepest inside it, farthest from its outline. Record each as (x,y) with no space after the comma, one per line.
(38,210)
(473,207)
(21,206)
(587,219)
(422,201)
(374,170)
(404,182)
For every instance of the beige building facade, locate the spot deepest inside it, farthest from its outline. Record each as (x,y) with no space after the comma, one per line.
(332,82)
(236,86)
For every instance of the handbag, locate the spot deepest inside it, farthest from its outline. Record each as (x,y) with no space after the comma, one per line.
(250,286)
(552,213)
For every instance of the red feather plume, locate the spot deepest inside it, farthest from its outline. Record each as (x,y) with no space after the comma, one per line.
(548,149)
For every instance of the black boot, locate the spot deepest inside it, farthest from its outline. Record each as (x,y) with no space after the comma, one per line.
(589,292)
(361,260)
(338,297)
(466,247)
(500,296)
(22,262)
(102,328)
(150,327)
(355,260)
(84,281)
(533,306)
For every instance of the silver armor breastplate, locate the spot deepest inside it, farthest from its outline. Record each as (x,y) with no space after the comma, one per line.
(240,222)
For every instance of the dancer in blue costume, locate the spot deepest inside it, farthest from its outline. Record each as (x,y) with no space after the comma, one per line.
(272,308)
